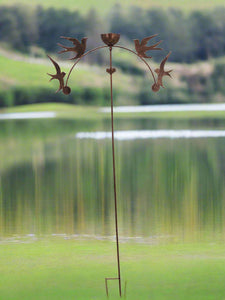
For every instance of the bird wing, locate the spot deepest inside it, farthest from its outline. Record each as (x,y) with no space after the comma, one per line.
(145,40)
(55,64)
(73,40)
(164,61)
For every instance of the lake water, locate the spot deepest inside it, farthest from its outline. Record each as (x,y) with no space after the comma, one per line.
(56,178)
(167,107)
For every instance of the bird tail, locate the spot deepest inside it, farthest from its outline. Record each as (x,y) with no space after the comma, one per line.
(51,76)
(168,73)
(156,44)
(65,47)
(63,51)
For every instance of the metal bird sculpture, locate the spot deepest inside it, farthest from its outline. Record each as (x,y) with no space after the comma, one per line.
(142,47)
(59,75)
(79,47)
(110,40)
(161,72)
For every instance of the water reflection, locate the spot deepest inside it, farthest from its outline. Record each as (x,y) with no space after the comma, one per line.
(51,183)
(168,107)
(151,134)
(28,115)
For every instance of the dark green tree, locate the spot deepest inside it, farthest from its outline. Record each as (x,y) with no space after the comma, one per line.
(54,23)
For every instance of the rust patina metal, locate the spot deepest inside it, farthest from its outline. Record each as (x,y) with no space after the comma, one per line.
(110,40)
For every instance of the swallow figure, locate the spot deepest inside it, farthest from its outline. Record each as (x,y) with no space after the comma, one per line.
(79,48)
(161,72)
(59,75)
(142,47)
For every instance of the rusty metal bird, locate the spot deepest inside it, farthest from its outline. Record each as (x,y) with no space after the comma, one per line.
(142,47)
(79,47)
(161,72)
(59,75)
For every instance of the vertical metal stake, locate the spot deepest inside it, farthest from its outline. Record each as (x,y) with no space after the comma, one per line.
(110,40)
(114,174)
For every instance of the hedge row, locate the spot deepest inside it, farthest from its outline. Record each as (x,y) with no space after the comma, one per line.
(22,95)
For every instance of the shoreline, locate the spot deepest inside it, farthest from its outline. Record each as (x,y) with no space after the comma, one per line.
(70,111)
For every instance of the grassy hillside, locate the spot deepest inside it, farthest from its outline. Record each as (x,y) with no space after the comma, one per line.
(104,6)
(22,71)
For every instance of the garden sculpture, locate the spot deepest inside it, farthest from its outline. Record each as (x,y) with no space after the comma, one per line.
(110,40)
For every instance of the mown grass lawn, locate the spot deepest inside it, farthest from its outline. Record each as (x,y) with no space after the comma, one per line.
(75,269)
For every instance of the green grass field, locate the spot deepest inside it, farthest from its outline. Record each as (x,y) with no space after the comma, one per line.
(22,72)
(25,73)
(75,269)
(104,6)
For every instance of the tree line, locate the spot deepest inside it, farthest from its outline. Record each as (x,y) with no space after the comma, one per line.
(198,35)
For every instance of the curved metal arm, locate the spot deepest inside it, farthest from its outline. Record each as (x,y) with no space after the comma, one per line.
(92,50)
(77,61)
(140,58)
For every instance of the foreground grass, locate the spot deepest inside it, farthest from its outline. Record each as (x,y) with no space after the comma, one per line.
(104,6)
(69,111)
(73,269)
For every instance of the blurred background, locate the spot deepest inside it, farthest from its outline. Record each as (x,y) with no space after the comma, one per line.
(55,151)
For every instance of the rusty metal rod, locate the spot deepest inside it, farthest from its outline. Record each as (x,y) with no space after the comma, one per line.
(106,287)
(106,284)
(114,174)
